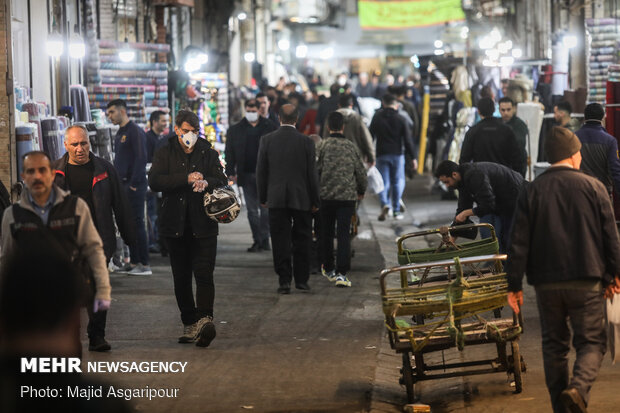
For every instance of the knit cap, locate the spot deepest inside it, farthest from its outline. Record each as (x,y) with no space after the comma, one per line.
(561,144)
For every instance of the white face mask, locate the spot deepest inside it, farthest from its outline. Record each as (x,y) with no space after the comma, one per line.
(251,116)
(189,139)
(342,81)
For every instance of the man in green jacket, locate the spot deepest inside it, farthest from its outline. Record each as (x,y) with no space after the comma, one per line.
(342,182)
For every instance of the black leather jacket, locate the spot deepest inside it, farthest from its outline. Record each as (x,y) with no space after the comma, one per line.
(182,208)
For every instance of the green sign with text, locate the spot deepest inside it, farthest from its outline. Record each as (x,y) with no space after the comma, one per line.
(388,14)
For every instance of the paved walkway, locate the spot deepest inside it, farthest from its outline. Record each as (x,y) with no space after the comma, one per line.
(323,351)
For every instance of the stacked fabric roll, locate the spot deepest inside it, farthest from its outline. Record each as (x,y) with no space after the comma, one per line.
(143,85)
(52,140)
(79,101)
(24,136)
(35,112)
(604,39)
(133,96)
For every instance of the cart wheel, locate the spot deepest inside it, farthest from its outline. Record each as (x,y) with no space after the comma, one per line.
(407,379)
(516,366)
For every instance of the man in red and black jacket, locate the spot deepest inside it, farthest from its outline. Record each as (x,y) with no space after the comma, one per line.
(95,181)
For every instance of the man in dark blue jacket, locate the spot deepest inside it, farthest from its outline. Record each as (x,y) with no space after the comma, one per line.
(599,150)
(241,154)
(95,181)
(130,162)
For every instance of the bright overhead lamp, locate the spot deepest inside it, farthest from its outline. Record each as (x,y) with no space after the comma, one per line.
(517,53)
(569,41)
(249,57)
(301,51)
(54,46)
(126,54)
(242,16)
(439,52)
(284,44)
(327,53)
(438,44)
(506,60)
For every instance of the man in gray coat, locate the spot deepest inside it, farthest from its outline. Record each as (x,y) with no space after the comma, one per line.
(288,185)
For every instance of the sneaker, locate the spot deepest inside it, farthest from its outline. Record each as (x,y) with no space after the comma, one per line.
(384,213)
(398,216)
(124,269)
(140,270)
(206,331)
(342,281)
(402,205)
(330,275)
(190,331)
(98,344)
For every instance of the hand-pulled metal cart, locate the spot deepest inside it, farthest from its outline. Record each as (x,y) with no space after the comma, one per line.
(453,315)
(447,249)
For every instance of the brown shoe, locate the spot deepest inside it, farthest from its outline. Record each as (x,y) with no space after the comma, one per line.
(572,400)
(384,213)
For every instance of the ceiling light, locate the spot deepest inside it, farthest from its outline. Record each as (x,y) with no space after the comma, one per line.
(570,41)
(249,57)
(517,53)
(439,52)
(438,44)
(55,45)
(301,51)
(327,53)
(242,16)
(506,60)
(126,54)
(284,44)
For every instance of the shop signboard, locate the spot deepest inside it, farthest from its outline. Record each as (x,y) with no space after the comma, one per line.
(388,14)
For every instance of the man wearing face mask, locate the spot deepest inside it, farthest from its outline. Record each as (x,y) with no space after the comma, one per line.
(183,169)
(241,153)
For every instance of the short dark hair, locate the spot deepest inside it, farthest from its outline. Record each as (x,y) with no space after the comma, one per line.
(119,103)
(345,101)
(335,121)
(388,99)
(397,90)
(251,103)
(564,106)
(486,92)
(506,99)
(288,116)
(486,107)
(446,168)
(594,111)
(35,153)
(261,95)
(155,116)
(56,298)
(185,115)
(334,89)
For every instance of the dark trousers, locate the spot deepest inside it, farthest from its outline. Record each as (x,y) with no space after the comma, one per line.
(336,220)
(503,229)
(584,309)
(137,201)
(96,322)
(258,216)
(193,255)
(291,236)
(151,213)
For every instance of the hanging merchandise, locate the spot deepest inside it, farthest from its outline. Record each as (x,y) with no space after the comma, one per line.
(207,95)
(532,114)
(35,112)
(601,50)
(51,144)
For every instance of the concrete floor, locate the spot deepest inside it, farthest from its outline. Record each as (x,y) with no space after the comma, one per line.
(323,351)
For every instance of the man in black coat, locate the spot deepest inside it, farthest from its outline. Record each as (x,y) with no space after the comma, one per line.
(182,170)
(288,185)
(494,189)
(241,154)
(490,140)
(95,181)
(565,239)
